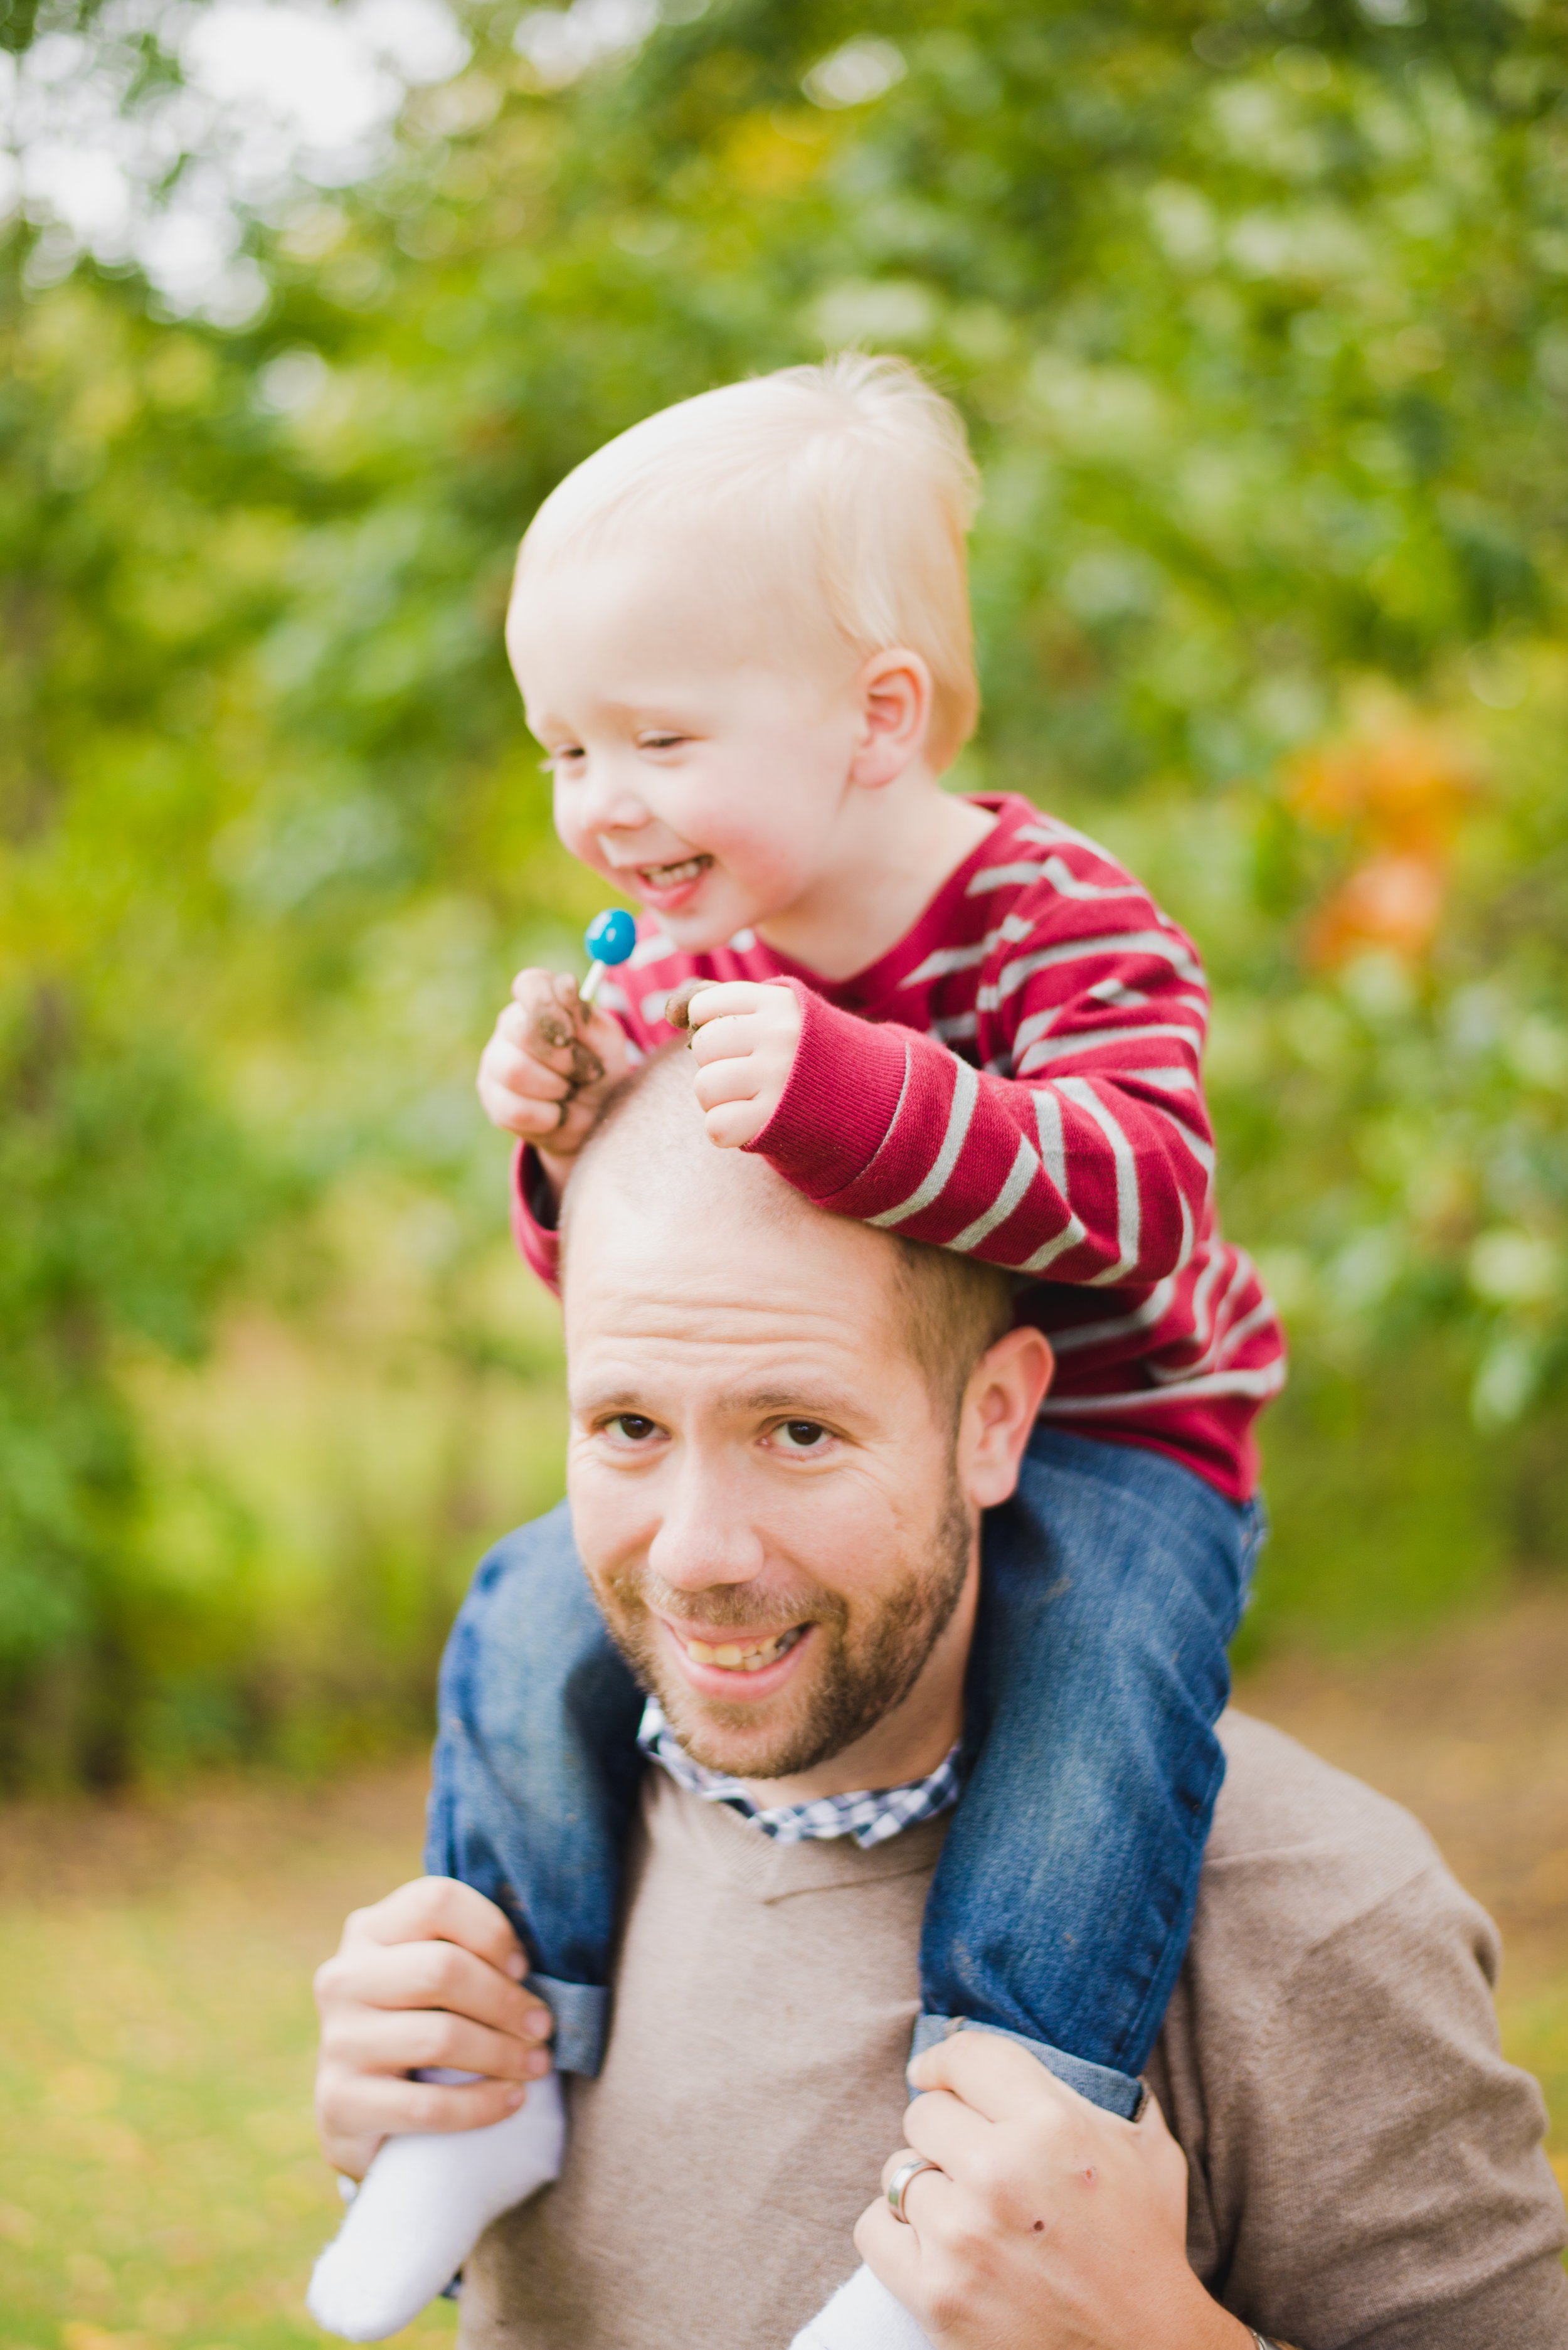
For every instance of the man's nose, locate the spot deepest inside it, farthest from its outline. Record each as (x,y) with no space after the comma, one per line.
(704,1537)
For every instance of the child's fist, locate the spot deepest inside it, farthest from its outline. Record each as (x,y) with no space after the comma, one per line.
(745,1033)
(549,1062)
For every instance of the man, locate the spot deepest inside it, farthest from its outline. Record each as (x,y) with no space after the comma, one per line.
(786,1430)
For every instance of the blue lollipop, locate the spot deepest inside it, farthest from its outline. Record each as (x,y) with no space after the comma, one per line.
(609,940)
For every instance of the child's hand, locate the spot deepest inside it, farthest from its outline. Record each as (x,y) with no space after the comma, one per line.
(549,1062)
(745,1033)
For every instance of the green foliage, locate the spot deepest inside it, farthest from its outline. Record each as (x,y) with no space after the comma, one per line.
(1259,319)
(127,1198)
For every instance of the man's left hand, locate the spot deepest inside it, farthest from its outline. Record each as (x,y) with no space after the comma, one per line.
(1047,2225)
(745,1033)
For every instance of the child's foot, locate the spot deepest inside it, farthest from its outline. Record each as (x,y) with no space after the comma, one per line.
(426,2201)
(862,2315)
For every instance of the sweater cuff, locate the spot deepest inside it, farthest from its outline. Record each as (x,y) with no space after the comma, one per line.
(841,1097)
(534,1217)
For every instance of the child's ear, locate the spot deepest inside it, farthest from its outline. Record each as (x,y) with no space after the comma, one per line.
(895,692)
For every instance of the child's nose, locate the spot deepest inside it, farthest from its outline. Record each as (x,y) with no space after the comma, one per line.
(609,801)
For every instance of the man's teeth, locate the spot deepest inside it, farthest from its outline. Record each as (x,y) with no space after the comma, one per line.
(748,1658)
(669,877)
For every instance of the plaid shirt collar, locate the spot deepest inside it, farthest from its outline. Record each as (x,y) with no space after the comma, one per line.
(870,1816)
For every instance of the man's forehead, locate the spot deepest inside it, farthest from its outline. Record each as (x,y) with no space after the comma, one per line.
(745,1348)
(686,1322)
(661,1238)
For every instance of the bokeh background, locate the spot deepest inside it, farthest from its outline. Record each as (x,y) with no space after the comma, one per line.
(1259,316)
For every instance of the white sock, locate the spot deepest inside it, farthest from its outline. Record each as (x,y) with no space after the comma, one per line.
(862,2315)
(427,2200)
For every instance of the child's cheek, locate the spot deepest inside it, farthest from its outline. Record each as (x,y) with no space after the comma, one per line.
(757,845)
(573,837)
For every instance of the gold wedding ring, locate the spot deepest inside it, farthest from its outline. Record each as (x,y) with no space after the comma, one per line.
(899,2185)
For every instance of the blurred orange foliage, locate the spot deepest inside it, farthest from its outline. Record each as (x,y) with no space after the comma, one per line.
(1401,792)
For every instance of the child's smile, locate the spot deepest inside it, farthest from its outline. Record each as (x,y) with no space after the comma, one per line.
(668,888)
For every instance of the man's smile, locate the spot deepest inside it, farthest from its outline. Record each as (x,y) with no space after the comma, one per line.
(728,1664)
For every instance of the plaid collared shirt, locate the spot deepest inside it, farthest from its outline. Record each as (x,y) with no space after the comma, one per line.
(870,1815)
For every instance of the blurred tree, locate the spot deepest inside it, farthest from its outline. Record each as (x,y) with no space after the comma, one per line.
(1260,317)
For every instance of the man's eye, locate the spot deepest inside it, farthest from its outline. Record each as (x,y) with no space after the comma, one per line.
(801,1435)
(631,1427)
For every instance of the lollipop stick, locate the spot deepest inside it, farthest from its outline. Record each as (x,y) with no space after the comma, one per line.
(608,940)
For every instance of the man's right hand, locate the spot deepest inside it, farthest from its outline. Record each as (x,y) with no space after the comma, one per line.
(431,1976)
(549,1061)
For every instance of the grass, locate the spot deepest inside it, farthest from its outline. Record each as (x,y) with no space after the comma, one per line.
(1535,2034)
(158,2180)
(159,2184)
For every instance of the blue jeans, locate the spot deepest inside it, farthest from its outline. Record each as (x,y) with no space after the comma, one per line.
(1060,1907)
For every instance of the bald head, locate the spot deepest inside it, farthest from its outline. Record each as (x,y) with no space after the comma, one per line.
(649,1168)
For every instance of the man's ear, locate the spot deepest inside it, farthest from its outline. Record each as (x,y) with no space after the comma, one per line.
(1000,1403)
(894,690)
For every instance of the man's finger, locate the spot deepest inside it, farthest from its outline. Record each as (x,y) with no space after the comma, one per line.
(377,2104)
(399,2042)
(891,2251)
(441,1908)
(996,2076)
(921,2187)
(430,1975)
(947,2132)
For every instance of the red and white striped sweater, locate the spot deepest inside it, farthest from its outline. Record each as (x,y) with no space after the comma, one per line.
(1019,1077)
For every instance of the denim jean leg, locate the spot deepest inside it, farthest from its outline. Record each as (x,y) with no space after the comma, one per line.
(1063,1898)
(536,1769)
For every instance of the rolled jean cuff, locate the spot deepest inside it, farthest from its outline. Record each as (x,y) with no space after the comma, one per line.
(1113,2091)
(582,2022)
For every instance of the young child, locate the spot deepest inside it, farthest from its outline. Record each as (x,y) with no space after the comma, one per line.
(742,636)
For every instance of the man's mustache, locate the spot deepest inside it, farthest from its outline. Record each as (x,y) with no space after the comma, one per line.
(730,1607)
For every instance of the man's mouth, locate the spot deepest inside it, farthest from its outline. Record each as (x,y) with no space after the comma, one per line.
(673,877)
(743,1655)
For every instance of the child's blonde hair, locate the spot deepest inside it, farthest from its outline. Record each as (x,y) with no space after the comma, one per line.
(853,488)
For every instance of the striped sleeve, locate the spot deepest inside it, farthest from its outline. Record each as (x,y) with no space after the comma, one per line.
(1092,1160)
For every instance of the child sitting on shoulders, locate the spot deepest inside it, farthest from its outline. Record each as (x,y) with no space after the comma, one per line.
(742,631)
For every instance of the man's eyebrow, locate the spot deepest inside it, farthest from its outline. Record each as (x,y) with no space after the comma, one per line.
(813,1402)
(801,1402)
(617,1400)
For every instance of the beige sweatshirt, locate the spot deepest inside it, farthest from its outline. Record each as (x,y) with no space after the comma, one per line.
(1366,2169)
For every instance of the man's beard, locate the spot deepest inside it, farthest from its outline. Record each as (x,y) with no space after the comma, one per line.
(858,1685)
